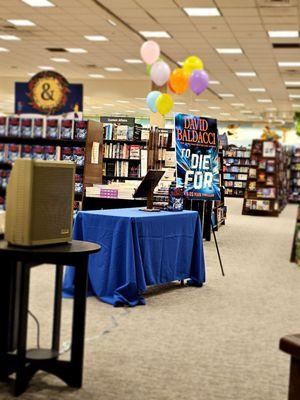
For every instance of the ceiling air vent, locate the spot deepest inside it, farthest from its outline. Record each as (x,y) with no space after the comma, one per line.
(277,3)
(56,49)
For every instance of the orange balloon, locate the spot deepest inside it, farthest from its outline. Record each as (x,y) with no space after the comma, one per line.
(179,81)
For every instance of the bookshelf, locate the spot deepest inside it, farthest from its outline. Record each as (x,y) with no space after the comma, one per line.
(294,193)
(295,254)
(235,169)
(266,191)
(219,209)
(78,148)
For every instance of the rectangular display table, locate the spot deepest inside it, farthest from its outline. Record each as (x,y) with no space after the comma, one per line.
(138,249)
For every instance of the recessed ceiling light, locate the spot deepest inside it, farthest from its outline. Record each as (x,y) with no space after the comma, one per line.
(294,96)
(155,34)
(264,100)
(292,83)
(39,3)
(237,104)
(224,113)
(96,38)
(113,69)
(9,37)
(214,82)
(179,103)
(75,50)
(226,94)
(283,34)
(214,108)
(21,22)
(110,21)
(246,112)
(256,89)
(123,101)
(230,51)
(133,61)
(61,60)
(96,76)
(3,49)
(108,104)
(246,73)
(46,68)
(288,64)
(202,11)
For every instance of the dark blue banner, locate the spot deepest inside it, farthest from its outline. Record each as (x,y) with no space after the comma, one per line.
(197,157)
(24,103)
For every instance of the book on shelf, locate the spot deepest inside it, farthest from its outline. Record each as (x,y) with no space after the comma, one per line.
(135,152)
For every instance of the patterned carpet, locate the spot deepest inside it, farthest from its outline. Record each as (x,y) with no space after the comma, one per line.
(219,342)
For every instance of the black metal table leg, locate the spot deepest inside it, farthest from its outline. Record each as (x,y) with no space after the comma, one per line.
(57,308)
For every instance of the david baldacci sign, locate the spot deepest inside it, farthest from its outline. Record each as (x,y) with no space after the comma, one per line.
(197,157)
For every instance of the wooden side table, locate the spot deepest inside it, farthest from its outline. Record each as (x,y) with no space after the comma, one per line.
(290,344)
(15,266)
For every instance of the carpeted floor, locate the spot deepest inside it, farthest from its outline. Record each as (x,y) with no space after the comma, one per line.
(219,342)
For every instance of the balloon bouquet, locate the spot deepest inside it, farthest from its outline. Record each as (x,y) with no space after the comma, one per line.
(191,75)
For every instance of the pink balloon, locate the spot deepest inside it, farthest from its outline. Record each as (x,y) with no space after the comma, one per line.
(160,73)
(198,81)
(150,52)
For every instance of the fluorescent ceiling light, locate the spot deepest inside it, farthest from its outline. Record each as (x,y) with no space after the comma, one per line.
(3,49)
(9,37)
(296,105)
(144,109)
(246,112)
(155,34)
(108,105)
(202,11)
(201,100)
(294,96)
(39,3)
(129,111)
(194,110)
(61,60)
(246,74)
(271,109)
(133,61)
(289,64)
(224,113)
(214,82)
(96,107)
(113,69)
(123,101)
(238,104)
(46,68)
(140,98)
(21,22)
(96,38)
(292,83)
(283,34)
(110,21)
(230,51)
(226,94)
(75,50)
(179,103)
(214,108)
(264,100)
(96,76)
(256,89)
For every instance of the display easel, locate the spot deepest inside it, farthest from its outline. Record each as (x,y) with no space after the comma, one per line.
(146,188)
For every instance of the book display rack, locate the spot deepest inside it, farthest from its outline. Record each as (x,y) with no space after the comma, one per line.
(295,255)
(52,139)
(219,209)
(294,195)
(266,191)
(235,169)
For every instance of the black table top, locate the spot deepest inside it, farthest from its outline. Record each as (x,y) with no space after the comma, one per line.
(74,247)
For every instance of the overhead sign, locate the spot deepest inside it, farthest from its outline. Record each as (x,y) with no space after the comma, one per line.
(197,157)
(48,92)
(118,120)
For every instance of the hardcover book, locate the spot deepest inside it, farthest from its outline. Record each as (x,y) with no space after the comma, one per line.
(26,127)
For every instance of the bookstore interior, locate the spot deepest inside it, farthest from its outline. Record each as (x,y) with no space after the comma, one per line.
(150,199)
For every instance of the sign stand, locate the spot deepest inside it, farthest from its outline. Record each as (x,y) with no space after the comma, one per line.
(217,247)
(147,186)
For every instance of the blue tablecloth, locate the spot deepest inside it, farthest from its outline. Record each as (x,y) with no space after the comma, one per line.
(138,249)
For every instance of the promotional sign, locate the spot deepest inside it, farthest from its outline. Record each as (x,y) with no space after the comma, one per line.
(197,157)
(48,92)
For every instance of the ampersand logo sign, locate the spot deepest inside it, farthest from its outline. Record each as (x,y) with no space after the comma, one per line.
(48,92)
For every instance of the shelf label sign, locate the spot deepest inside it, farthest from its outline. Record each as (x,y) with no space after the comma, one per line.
(197,167)
(48,92)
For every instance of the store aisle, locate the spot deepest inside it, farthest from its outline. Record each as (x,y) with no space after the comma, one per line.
(219,342)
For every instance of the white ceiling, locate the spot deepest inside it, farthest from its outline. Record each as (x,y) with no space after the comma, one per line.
(243,23)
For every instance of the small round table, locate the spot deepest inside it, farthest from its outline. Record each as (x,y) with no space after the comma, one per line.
(15,265)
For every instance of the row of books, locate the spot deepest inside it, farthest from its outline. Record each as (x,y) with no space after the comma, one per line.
(259,205)
(294,190)
(234,192)
(10,152)
(236,152)
(236,161)
(117,131)
(124,169)
(233,177)
(120,150)
(235,169)
(4,176)
(235,184)
(113,190)
(50,128)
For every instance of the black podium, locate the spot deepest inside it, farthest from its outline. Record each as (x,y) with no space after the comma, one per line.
(15,266)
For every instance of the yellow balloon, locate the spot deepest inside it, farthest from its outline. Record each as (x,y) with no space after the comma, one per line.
(191,63)
(164,103)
